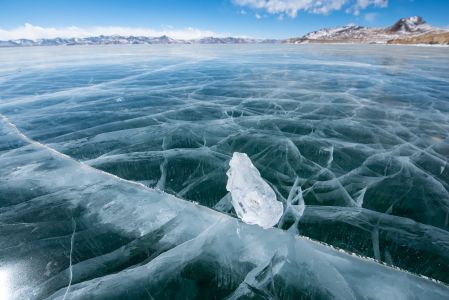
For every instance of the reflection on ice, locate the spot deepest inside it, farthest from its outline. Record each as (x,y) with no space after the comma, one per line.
(13,274)
(5,285)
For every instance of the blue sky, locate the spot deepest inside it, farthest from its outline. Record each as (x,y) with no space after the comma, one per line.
(254,18)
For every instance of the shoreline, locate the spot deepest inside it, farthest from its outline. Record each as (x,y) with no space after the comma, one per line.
(233,44)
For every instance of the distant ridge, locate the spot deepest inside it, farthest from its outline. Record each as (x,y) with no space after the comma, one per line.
(130,40)
(412,30)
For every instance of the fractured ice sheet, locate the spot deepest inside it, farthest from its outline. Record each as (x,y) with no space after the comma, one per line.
(294,208)
(361,131)
(422,249)
(73,231)
(253,199)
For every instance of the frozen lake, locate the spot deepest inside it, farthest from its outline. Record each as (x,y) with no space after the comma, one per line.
(362,129)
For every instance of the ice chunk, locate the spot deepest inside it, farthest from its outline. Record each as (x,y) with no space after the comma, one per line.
(253,199)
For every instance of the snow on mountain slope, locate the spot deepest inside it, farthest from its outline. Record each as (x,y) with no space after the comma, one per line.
(403,28)
(128,40)
(412,24)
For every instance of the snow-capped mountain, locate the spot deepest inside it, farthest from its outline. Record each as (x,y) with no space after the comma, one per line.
(326,33)
(412,24)
(126,40)
(413,30)
(96,40)
(403,29)
(232,40)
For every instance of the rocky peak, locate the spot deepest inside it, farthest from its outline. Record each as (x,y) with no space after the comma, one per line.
(411,24)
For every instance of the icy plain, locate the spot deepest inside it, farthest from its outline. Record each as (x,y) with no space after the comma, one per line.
(113,164)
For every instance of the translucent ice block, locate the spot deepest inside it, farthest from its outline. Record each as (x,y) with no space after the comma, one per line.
(253,199)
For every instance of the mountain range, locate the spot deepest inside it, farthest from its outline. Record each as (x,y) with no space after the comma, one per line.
(130,40)
(413,30)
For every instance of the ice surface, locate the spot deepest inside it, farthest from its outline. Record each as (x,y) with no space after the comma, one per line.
(353,140)
(398,241)
(130,241)
(253,199)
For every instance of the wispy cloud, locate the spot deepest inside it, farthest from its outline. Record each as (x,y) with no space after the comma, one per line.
(32,32)
(292,7)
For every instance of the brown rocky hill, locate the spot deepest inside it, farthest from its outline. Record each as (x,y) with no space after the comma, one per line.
(429,38)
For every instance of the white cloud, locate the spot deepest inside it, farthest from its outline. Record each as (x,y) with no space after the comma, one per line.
(258,17)
(292,7)
(32,32)
(363,4)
